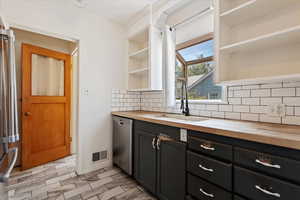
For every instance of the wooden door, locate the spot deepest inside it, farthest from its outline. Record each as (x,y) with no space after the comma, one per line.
(45,105)
(171,162)
(145,160)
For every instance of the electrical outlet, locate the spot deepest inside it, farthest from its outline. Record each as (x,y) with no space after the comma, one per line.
(183,135)
(103,155)
(96,156)
(277,110)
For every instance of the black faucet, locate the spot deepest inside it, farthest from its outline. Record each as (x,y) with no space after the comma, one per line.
(184,99)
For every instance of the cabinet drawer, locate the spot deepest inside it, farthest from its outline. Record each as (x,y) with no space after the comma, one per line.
(206,191)
(257,186)
(145,126)
(209,169)
(170,131)
(157,129)
(273,165)
(210,148)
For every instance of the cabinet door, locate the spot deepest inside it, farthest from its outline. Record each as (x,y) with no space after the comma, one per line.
(145,160)
(171,163)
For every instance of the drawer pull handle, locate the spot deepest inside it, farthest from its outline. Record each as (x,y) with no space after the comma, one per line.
(207,148)
(158,143)
(205,169)
(267,164)
(206,194)
(153,143)
(267,192)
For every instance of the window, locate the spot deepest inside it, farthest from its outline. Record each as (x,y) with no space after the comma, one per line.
(195,65)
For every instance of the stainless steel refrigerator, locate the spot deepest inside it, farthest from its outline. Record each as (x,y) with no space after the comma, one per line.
(9,126)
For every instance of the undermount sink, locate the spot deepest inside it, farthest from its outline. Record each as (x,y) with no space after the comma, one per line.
(181,117)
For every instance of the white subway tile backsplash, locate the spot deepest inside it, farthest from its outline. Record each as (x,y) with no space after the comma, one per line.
(247,87)
(271,85)
(205,113)
(225,108)
(218,114)
(125,101)
(232,115)
(250,101)
(249,117)
(239,108)
(285,92)
(235,88)
(261,93)
(270,101)
(235,101)
(212,107)
(291,101)
(269,119)
(291,120)
(259,109)
(292,84)
(245,102)
(297,111)
(289,111)
(200,106)
(241,93)
(230,93)
(194,112)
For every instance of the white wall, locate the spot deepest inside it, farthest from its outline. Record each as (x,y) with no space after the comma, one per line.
(199,26)
(101,62)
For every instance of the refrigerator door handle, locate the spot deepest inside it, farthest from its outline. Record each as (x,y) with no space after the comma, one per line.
(5,176)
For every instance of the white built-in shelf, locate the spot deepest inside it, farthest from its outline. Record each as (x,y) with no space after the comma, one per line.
(262,80)
(253,9)
(144,66)
(287,36)
(140,54)
(144,90)
(257,41)
(140,90)
(138,71)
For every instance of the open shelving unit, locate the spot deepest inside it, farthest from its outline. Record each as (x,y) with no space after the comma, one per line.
(144,65)
(288,36)
(138,58)
(144,55)
(257,40)
(252,9)
(138,71)
(140,54)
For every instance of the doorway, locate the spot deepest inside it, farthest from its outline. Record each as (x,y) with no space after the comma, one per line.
(46,97)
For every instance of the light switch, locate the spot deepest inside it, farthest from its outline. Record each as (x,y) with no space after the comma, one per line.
(85,92)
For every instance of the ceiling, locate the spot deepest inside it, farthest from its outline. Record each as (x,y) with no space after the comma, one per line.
(120,11)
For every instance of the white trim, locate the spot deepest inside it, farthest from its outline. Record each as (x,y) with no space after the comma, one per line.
(39,31)
(205,102)
(78,167)
(3,22)
(224,99)
(262,80)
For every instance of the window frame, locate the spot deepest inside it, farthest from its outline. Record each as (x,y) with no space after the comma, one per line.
(193,42)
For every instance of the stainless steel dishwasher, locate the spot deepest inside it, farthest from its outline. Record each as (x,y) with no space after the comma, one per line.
(122,143)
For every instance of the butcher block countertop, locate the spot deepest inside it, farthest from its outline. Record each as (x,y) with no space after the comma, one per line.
(267,133)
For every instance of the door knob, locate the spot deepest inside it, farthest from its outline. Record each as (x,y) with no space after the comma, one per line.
(27,114)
